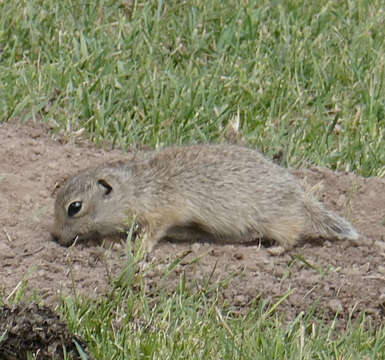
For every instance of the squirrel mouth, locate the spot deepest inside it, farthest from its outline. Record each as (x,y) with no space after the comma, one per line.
(56,239)
(94,236)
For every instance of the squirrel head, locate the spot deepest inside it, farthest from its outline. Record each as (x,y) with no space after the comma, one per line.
(87,206)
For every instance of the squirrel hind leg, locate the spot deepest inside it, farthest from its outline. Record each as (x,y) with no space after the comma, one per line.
(286,232)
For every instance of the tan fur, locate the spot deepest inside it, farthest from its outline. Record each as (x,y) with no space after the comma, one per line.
(222,193)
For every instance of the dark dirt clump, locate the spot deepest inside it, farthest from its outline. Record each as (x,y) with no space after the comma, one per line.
(339,279)
(36,330)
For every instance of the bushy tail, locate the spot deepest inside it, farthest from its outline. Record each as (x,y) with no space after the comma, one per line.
(327,224)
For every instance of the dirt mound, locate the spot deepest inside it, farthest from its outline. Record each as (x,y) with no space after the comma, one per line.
(335,278)
(36,330)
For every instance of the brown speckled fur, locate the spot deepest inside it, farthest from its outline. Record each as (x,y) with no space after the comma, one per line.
(223,193)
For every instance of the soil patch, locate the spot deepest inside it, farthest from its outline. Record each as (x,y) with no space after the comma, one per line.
(335,278)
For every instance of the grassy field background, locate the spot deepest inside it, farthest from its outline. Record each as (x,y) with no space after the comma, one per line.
(305,79)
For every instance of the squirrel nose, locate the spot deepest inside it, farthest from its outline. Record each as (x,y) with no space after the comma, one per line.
(54,237)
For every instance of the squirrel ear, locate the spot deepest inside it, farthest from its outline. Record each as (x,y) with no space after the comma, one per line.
(107,187)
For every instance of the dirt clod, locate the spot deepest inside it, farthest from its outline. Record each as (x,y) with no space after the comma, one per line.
(36,330)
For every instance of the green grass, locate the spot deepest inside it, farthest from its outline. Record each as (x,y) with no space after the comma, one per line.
(129,325)
(305,79)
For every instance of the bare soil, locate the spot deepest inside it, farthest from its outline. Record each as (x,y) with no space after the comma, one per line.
(338,279)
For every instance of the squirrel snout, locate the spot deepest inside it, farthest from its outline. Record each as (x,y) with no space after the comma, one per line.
(60,241)
(54,238)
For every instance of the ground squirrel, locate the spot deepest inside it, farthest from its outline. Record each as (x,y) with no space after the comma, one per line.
(222,193)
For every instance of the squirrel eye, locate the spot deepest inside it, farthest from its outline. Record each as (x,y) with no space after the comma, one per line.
(74,208)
